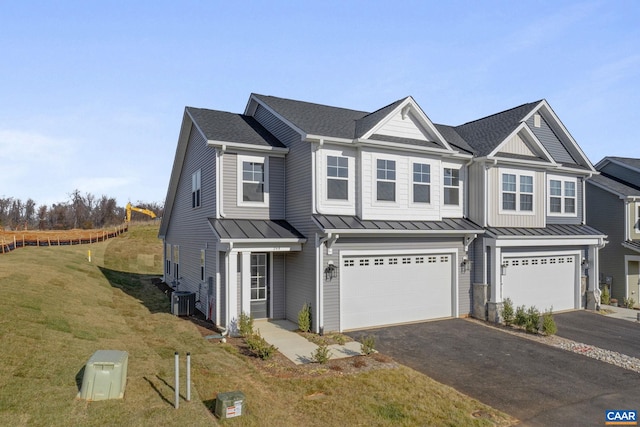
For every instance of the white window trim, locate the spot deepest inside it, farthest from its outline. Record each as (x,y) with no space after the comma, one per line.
(350,180)
(374,168)
(459,186)
(255,159)
(432,168)
(518,174)
(637,223)
(196,186)
(562,179)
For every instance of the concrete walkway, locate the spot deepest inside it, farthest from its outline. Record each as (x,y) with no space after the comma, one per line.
(295,347)
(621,312)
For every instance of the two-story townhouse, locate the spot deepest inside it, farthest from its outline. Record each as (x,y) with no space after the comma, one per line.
(361,215)
(375,218)
(613,206)
(526,189)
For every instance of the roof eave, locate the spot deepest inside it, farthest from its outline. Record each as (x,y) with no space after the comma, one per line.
(251,147)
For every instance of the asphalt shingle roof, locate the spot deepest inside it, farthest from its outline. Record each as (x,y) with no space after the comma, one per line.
(485,134)
(634,163)
(615,185)
(230,127)
(632,244)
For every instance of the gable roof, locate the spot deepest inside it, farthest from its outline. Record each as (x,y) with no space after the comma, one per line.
(221,126)
(630,162)
(485,134)
(613,185)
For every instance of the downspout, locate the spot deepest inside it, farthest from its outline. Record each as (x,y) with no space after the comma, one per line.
(331,238)
(627,231)
(314,173)
(220,186)
(465,211)
(584,198)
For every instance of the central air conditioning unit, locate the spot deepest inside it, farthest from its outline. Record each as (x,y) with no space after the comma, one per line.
(183,303)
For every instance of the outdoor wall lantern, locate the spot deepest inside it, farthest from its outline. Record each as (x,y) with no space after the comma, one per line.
(331,272)
(464,265)
(503,268)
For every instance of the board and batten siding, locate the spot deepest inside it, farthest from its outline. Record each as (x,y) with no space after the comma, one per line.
(476,193)
(497,219)
(231,209)
(550,141)
(188,227)
(517,146)
(332,287)
(300,281)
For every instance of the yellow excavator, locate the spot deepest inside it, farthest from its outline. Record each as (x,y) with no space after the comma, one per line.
(136,209)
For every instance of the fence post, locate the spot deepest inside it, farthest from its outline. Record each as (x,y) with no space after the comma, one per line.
(177,385)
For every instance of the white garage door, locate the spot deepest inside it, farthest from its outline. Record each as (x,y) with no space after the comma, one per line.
(543,281)
(387,289)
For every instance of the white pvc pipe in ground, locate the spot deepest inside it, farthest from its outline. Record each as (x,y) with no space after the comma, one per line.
(188,377)
(177,386)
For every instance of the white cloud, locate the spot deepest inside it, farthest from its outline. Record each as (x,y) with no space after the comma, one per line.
(107,185)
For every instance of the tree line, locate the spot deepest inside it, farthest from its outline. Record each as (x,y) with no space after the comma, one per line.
(79,211)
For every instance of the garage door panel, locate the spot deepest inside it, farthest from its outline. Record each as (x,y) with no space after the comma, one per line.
(542,281)
(380,290)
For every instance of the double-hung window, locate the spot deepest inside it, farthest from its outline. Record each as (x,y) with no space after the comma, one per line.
(421,183)
(516,192)
(451,186)
(252,181)
(386,180)
(637,217)
(196,184)
(562,196)
(337,178)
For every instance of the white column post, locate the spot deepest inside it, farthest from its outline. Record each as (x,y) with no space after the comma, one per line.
(232,292)
(245,282)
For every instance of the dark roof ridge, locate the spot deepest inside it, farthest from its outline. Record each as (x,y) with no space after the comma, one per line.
(501,112)
(397,101)
(310,103)
(620,181)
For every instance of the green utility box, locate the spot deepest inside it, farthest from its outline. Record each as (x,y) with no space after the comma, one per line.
(229,405)
(105,375)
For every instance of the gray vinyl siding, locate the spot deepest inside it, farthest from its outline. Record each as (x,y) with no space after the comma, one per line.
(605,212)
(278,287)
(300,273)
(550,141)
(622,173)
(188,227)
(230,207)
(570,219)
(332,288)
(476,256)
(223,290)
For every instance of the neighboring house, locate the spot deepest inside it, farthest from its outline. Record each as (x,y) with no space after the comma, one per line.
(613,205)
(374,218)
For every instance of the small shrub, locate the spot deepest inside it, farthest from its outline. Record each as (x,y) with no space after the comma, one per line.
(521,316)
(245,325)
(507,312)
(549,326)
(259,346)
(339,339)
(605,298)
(304,318)
(321,355)
(533,320)
(367,345)
(628,302)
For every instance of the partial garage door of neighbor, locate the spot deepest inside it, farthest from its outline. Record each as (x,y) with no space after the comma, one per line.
(380,290)
(543,281)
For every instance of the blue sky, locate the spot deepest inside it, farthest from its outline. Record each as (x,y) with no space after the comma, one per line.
(92,93)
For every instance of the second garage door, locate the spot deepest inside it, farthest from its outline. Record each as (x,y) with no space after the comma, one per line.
(542,281)
(386,289)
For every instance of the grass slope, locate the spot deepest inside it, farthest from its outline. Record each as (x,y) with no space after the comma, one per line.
(57,309)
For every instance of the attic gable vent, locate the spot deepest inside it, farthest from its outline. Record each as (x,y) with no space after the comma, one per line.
(536,120)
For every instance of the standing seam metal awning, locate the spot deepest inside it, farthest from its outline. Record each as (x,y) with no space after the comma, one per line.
(347,223)
(240,230)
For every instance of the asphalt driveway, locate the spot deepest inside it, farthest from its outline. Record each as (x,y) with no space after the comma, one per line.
(538,384)
(601,331)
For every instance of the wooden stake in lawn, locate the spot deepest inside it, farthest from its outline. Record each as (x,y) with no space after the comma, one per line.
(177,386)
